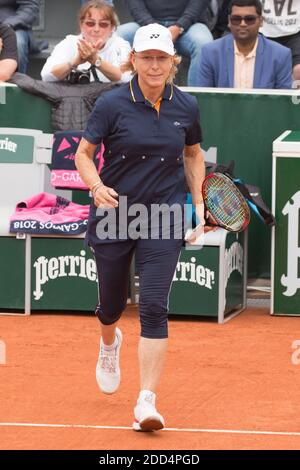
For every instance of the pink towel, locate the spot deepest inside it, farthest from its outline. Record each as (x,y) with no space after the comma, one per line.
(48,214)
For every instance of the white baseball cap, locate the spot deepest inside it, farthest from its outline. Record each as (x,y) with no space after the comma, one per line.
(153,36)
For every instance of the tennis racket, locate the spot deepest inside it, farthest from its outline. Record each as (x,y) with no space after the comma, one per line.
(224,203)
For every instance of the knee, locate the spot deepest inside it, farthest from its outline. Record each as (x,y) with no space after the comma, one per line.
(127,31)
(198,36)
(110,308)
(154,320)
(109,313)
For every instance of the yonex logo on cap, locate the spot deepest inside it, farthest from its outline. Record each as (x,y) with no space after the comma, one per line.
(153,36)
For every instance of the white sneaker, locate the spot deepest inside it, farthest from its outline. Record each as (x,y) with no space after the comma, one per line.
(108,373)
(147,417)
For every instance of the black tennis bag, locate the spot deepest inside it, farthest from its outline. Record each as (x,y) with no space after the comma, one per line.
(251,193)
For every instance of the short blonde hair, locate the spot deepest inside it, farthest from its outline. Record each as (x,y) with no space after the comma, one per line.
(108,11)
(128,67)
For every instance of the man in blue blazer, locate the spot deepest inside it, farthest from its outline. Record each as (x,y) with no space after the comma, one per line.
(245,58)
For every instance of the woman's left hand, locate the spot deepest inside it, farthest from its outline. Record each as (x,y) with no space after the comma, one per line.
(195,236)
(88,51)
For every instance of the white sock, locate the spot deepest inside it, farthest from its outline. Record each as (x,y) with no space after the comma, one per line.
(111,346)
(148,396)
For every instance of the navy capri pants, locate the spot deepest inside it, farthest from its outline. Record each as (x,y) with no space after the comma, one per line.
(156,261)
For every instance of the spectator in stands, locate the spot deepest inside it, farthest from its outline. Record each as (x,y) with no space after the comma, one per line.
(244,58)
(97,45)
(20,15)
(282,24)
(185,20)
(221,26)
(8,52)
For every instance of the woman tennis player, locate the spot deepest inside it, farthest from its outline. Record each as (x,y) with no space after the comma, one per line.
(151,133)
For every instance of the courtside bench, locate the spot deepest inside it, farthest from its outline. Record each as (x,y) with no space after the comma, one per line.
(211,281)
(38,272)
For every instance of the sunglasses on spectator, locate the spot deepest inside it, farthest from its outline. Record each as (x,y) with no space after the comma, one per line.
(102,24)
(249,19)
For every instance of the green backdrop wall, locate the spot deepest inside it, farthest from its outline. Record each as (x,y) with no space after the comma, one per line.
(240,126)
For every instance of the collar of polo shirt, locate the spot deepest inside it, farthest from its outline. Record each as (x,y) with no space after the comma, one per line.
(137,95)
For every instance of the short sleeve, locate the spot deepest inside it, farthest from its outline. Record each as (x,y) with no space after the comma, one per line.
(194,132)
(123,49)
(64,51)
(98,126)
(122,52)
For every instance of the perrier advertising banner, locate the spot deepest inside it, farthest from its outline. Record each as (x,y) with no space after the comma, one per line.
(286,288)
(236,126)
(210,281)
(63,275)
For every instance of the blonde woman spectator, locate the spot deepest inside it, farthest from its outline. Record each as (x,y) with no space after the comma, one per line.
(97,45)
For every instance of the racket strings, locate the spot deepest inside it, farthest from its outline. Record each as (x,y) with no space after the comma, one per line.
(226,204)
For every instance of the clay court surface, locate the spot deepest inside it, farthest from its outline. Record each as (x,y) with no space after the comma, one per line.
(230,386)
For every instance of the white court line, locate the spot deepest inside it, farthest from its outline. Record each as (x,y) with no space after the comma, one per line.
(215,431)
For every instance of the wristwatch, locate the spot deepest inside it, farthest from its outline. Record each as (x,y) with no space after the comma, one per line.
(181,30)
(98,62)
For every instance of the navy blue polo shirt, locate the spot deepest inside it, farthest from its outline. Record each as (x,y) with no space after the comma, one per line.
(143,157)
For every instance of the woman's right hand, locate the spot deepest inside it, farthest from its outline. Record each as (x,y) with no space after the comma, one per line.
(105,197)
(88,52)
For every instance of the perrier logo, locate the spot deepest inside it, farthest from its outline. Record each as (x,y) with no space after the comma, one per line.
(48,269)
(291,280)
(190,271)
(9,145)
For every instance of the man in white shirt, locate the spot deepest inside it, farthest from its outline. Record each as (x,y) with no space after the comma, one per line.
(282,24)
